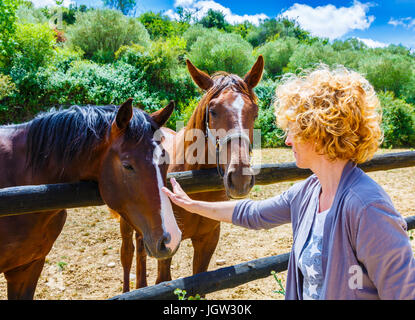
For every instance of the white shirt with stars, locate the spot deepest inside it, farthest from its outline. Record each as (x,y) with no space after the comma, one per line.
(310,260)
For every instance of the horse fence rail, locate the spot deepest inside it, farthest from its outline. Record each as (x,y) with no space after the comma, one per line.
(29,199)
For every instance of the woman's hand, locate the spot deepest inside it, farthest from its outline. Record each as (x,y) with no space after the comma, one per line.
(179,197)
(221,211)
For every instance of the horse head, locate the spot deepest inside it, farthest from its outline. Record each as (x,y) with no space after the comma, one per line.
(131,178)
(227,113)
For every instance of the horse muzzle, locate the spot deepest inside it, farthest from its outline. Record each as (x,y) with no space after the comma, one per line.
(159,248)
(238,183)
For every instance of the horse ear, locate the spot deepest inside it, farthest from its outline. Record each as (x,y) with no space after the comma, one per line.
(254,75)
(124,114)
(161,116)
(202,79)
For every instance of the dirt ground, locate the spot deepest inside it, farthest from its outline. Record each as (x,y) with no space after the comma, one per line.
(84,262)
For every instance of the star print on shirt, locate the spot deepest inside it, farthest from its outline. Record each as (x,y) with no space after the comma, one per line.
(314,249)
(312,289)
(310,271)
(310,262)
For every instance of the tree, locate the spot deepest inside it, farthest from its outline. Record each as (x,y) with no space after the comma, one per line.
(125,6)
(214,19)
(157,25)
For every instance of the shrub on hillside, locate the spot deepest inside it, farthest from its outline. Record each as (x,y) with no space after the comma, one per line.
(100,33)
(398,121)
(277,54)
(307,56)
(217,51)
(387,72)
(271,135)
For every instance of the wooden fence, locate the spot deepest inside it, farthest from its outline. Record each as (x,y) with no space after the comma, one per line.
(29,199)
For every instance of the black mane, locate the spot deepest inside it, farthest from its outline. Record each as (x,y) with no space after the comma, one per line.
(66,134)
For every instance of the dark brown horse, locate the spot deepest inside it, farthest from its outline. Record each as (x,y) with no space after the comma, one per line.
(229,109)
(113,146)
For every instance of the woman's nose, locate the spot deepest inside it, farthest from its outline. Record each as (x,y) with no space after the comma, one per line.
(288,141)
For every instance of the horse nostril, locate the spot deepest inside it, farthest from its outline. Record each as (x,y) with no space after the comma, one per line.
(165,239)
(252,183)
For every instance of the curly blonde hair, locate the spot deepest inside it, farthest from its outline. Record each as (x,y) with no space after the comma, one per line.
(336,109)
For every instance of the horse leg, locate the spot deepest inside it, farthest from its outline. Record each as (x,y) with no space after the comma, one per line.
(127,252)
(204,247)
(141,261)
(163,270)
(22,281)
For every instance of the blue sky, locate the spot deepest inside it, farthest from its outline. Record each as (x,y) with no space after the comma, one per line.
(376,22)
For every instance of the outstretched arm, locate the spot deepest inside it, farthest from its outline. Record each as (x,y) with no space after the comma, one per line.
(221,210)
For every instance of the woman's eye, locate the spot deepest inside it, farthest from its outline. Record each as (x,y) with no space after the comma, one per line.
(128,166)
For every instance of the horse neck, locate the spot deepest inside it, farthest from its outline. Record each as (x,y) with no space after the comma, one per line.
(13,156)
(84,167)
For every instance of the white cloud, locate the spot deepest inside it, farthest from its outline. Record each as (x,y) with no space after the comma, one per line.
(199,9)
(373,43)
(329,21)
(407,22)
(50,3)
(183,3)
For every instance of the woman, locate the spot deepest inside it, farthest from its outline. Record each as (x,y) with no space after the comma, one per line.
(349,240)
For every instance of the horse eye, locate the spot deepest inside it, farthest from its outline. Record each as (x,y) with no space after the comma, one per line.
(212,113)
(128,166)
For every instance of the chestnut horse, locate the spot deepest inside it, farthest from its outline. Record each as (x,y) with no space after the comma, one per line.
(113,146)
(228,104)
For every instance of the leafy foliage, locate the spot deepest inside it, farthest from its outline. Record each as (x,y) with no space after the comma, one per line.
(398,123)
(277,55)
(7,29)
(125,6)
(100,33)
(217,51)
(214,19)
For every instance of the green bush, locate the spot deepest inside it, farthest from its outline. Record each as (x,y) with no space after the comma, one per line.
(8,19)
(306,56)
(34,50)
(272,29)
(277,54)
(271,135)
(29,14)
(90,83)
(216,51)
(398,121)
(163,71)
(100,33)
(34,46)
(7,87)
(159,25)
(387,72)
(194,32)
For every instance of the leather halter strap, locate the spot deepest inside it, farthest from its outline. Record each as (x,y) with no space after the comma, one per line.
(219,142)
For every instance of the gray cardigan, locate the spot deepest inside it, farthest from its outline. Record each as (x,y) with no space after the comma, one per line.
(366,251)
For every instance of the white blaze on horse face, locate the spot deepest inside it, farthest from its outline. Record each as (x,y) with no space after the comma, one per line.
(168,220)
(238,105)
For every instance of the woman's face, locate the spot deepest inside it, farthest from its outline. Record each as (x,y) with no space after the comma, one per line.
(304,152)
